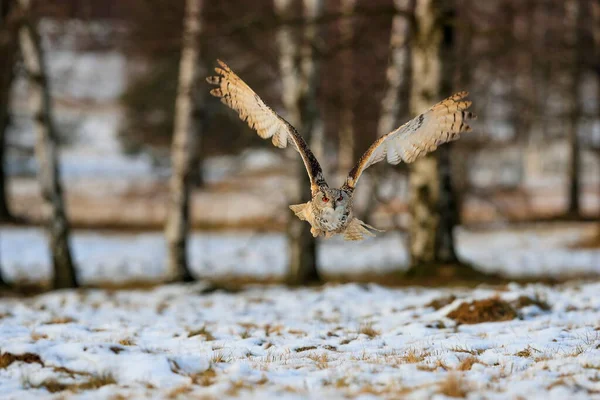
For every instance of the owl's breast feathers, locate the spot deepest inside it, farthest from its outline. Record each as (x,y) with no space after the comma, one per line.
(353,229)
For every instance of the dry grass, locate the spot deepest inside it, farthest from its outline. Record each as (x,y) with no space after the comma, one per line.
(127,342)
(467,363)
(60,320)
(453,386)
(93,382)
(525,301)
(6,359)
(488,310)
(202,332)
(306,348)
(38,336)
(219,357)
(413,356)
(180,391)
(461,349)
(367,329)
(322,360)
(436,304)
(236,387)
(205,378)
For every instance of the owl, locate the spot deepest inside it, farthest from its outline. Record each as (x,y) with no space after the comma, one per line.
(329,212)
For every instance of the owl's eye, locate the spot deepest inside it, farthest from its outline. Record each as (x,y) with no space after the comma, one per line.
(340,198)
(325,199)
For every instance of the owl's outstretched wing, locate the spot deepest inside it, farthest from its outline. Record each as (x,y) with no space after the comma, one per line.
(440,124)
(267,123)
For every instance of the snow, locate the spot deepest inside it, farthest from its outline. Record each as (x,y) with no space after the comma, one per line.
(527,252)
(264,342)
(276,342)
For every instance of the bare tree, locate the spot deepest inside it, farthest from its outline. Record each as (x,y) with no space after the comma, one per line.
(346,128)
(431,204)
(394,105)
(183,152)
(46,149)
(8,50)
(299,71)
(575,15)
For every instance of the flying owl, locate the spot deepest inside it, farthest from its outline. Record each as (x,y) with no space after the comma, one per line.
(329,212)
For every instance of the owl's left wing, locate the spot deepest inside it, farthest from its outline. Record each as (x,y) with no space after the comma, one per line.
(440,124)
(235,93)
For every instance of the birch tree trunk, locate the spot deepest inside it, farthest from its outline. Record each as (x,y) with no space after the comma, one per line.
(431,198)
(575,15)
(46,150)
(8,50)
(346,129)
(299,72)
(184,148)
(395,104)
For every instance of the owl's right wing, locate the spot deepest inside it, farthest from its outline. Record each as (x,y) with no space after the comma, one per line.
(440,124)
(235,93)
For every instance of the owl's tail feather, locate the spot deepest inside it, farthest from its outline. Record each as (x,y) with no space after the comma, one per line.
(359,230)
(300,210)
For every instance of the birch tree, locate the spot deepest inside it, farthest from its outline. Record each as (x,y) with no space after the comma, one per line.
(346,129)
(183,151)
(8,50)
(395,105)
(431,203)
(46,149)
(299,72)
(574,12)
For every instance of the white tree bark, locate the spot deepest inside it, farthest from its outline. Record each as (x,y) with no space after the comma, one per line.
(346,129)
(46,150)
(395,101)
(426,197)
(184,146)
(299,73)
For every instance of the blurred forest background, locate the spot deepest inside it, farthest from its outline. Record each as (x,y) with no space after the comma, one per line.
(95,110)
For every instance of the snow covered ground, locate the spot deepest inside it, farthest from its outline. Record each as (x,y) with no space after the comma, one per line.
(337,341)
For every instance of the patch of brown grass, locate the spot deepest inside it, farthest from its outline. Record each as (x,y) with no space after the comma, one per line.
(205,378)
(436,304)
(322,360)
(179,391)
(525,301)
(236,387)
(116,349)
(367,329)
(127,342)
(467,363)
(488,310)
(306,348)
(38,336)
(412,356)
(208,336)
(60,320)
(94,382)
(6,359)
(453,386)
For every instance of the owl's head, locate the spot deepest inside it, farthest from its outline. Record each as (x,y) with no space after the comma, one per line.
(336,199)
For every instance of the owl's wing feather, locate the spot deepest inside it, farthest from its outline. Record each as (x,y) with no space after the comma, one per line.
(440,124)
(236,94)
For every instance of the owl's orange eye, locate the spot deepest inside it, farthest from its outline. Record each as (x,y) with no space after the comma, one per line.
(325,199)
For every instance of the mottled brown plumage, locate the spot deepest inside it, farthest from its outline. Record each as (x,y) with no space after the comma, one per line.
(330,210)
